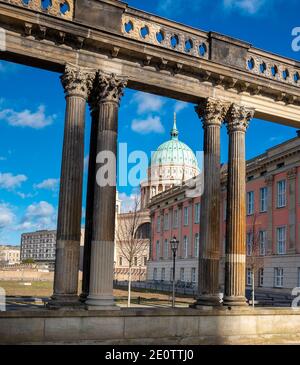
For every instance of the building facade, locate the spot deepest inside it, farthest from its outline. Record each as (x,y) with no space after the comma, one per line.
(273,224)
(9,255)
(38,246)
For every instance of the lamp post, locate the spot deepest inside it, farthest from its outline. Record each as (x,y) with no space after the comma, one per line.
(174,247)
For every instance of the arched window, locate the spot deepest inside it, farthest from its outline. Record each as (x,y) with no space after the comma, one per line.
(143,231)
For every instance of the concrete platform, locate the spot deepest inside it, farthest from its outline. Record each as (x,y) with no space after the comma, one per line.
(152,326)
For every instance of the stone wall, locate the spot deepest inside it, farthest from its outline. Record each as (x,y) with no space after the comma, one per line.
(152,326)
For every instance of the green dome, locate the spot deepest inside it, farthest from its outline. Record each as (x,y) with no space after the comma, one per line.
(174,152)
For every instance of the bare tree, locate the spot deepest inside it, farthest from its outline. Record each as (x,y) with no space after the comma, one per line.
(254,259)
(131,242)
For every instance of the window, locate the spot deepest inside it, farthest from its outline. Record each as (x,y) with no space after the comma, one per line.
(166,222)
(171,274)
(157,250)
(196,245)
(263,196)
(145,260)
(186,216)
(249,277)
(166,249)
(135,261)
(182,274)
(193,275)
(281,240)
(158,224)
(250,202)
(120,261)
(185,247)
(281,194)
(163,274)
(197,213)
(249,243)
(278,277)
(261,277)
(155,274)
(262,242)
(175,218)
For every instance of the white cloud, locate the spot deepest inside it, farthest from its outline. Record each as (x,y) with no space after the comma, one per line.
(38,216)
(148,125)
(128,202)
(246,6)
(147,102)
(48,184)
(27,118)
(10,181)
(7,217)
(179,106)
(24,195)
(2,158)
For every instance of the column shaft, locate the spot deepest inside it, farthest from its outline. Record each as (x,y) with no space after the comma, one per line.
(238,119)
(90,203)
(76,84)
(100,296)
(212,113)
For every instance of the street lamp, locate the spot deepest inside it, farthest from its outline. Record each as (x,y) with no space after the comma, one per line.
(174,247)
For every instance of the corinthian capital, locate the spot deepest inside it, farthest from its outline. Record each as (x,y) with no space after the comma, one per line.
(77,81)
(212,111)
(238,118)
(108,88)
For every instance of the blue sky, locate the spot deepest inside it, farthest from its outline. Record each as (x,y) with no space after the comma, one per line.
(32,110)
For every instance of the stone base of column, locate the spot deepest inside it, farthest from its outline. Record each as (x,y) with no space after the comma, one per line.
(101,302)
(66,302)
(207,301)
(235,302)
(83,297)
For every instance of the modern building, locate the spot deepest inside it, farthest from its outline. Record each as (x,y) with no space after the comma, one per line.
(38,246)
(273,224)
(9,255)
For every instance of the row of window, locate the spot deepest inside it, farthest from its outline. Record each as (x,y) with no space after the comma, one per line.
(278,277)
(257,245)
(184,276)
(135,261)
(263,198)
(165,220)
(185,248)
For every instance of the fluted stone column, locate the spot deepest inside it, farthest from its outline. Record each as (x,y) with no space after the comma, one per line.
(238,119)
(94,108)
(212,112)
(109,89)
(76,83)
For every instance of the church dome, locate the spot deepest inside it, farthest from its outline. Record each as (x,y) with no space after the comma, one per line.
(174,152)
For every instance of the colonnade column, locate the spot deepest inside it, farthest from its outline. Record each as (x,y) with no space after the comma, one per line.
(212,112)
(238,119)
(109,89)
(91,180)
(76,82)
